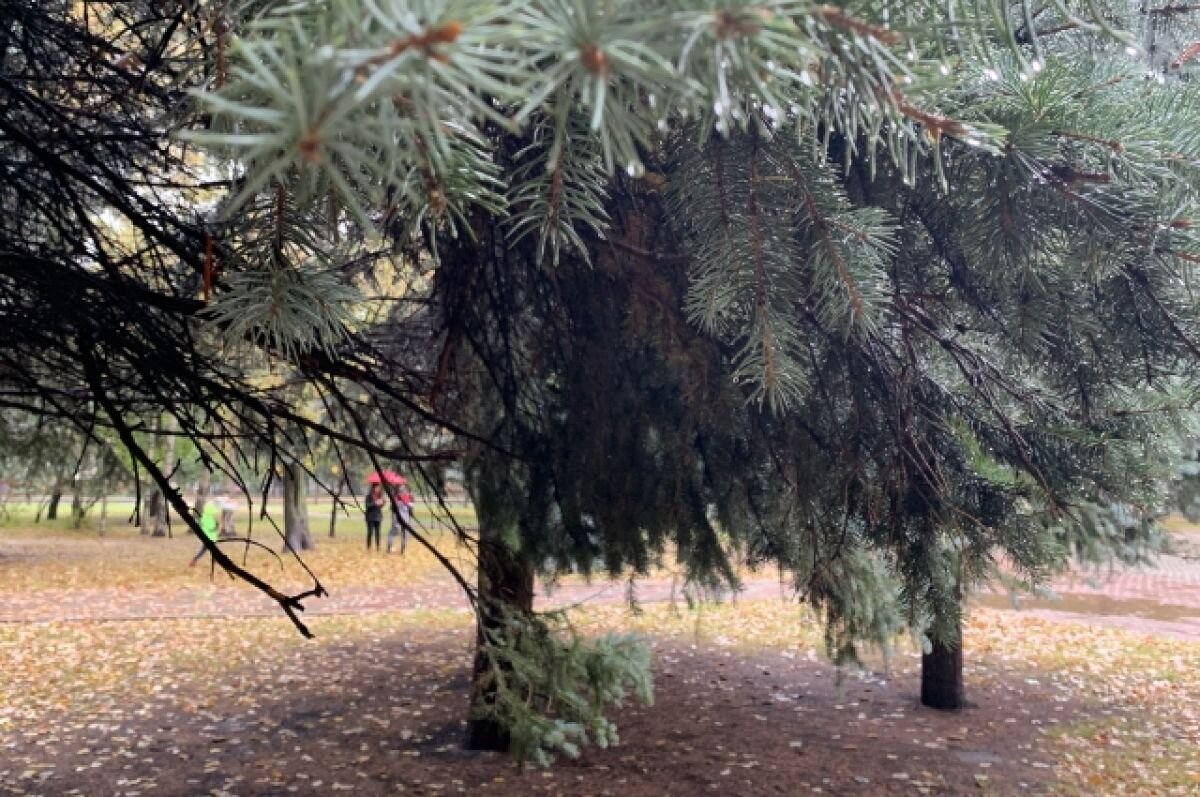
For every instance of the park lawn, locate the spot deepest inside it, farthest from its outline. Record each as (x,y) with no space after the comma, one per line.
(1105,711)
(1178,524)
(99,665)
(49,556)
(22,516)
(1144,737)
(53,556)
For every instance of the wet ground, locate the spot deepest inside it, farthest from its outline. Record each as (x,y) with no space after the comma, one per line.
(142,700)
(1163,600)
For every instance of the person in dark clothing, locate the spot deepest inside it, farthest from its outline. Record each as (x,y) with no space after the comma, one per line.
(375,500)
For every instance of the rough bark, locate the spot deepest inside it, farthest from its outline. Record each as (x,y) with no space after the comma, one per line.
(505,582)
(942,674)
(295,508)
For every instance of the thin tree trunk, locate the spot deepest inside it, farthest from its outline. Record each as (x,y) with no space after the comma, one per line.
(333,512)
(150,503)
(77,502)
(295,508)
(141,498)
(151,497)
(202,491)
(942,674)
(227,531)
(55,496)
(162,528)
(103,527)
(52,507)
(505,583)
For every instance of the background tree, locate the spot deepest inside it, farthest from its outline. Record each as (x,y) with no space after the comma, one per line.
(295,508)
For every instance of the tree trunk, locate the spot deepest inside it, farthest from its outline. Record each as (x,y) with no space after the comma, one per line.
(226,529)
(151,498)
(162,528)
(55,496)
(141,504)
(295,508)
(942,674)
(333,512)
(150,503)
(52,507)
(103,527)
(505,582)
(77,502)
(202,490)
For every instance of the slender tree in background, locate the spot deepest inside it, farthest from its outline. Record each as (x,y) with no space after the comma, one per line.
(42,454)
(203,488)
(56,493)
(295,508)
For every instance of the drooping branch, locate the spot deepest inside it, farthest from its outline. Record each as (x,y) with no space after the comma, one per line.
(291,604)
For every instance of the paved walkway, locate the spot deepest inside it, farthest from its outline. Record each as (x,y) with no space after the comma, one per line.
(1164,600)
(1161,601)
(239,600)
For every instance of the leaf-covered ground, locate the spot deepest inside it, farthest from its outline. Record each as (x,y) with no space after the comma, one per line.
(122,559)
(746,703)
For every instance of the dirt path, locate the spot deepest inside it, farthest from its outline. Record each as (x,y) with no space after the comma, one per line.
(1163,601)
(225,599)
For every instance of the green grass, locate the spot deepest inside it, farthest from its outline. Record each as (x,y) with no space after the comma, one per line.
(22,516)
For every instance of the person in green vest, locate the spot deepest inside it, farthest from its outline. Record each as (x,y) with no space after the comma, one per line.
(210,523)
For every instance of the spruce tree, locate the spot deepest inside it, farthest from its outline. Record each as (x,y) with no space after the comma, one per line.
(935,261)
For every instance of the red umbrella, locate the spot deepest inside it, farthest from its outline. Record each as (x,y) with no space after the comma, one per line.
(389,476)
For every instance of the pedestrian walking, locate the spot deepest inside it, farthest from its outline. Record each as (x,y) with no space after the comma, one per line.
(401,519)
(209,526)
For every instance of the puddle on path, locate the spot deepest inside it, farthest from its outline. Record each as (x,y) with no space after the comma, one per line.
(1096,605)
